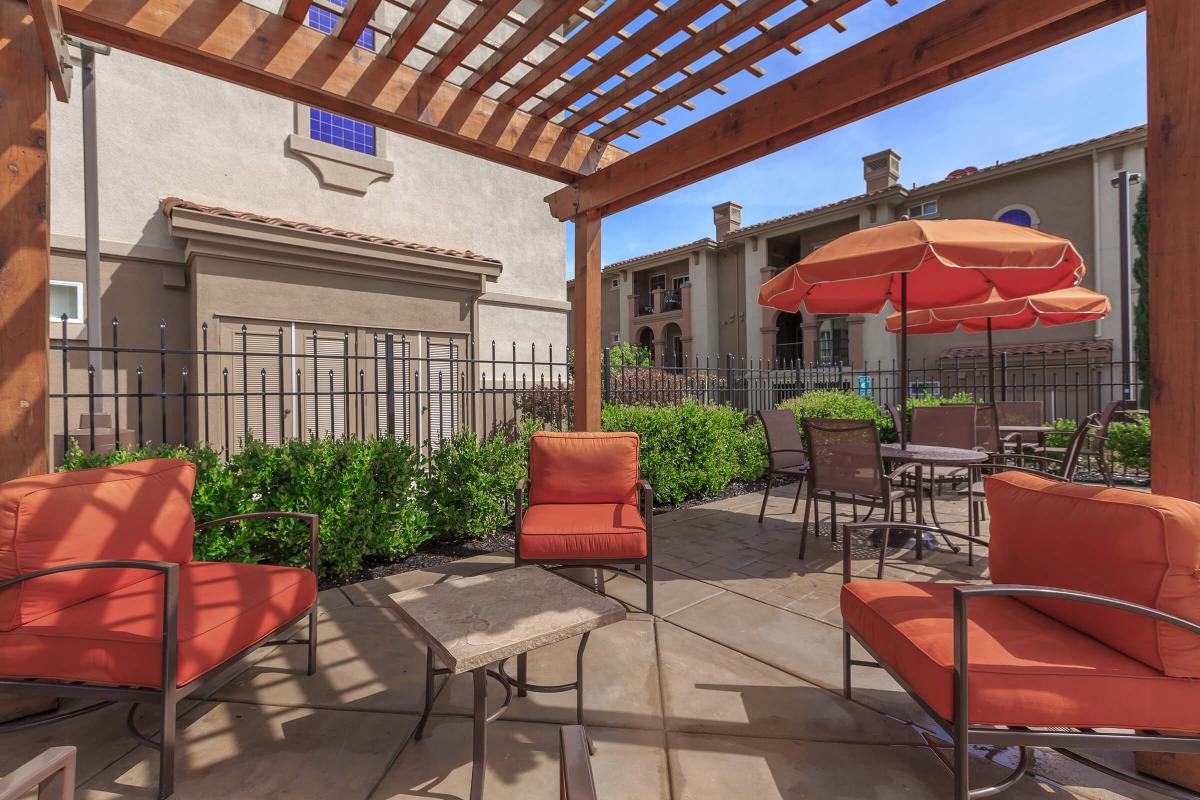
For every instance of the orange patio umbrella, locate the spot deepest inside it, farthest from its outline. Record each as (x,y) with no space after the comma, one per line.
(923,264)
(1060,307)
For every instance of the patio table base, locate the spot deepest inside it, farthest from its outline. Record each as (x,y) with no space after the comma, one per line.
(480,714)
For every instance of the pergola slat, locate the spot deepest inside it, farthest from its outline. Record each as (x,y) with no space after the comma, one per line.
(414,25)
(242,44)
(47,21)
(780,36)
(678,58)
(482,21)
(355,18)
(296,10)
(902,62)
(539,27)
(592,35)
(665,25)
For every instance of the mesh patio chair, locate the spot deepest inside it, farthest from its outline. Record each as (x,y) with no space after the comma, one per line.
(1023,413)
(894,414)
(845,466)
(1093,447)
(987,430)
(786,454)
(951,425)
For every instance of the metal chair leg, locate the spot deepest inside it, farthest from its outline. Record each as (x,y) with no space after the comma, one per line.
(650,588)
(808,502)
(766,495)
(845,664)
(479,739)
(799,488)
(833,537)
(166,752)
(312,641)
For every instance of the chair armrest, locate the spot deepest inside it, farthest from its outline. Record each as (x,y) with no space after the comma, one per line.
(786,450)
(164,567)
(52,773)
(314,528)
(647,495)
(519,504)
(850,528)
(899,471)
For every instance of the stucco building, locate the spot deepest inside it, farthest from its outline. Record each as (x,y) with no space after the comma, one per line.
(700,299)
(220,207)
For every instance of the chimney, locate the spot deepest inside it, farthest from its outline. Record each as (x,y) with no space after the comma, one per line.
(881,170)
(727,217)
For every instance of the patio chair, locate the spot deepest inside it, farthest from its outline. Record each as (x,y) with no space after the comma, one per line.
(987,431)
(1093,644)
(1022,413)
(1093,447)
(951,425)
(894,414)
(100,598)
(52,774)
(786,454)
(845,465)
(587,506)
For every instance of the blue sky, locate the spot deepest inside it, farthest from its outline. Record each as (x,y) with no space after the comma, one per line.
(1090,86)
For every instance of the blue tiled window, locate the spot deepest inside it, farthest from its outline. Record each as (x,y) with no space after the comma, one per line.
(1017,216)
(334,128)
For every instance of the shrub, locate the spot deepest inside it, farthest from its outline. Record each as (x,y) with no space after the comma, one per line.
(1130,443)
(633,355)
(1063,428)
(691,450)
(833,404)
(365,491)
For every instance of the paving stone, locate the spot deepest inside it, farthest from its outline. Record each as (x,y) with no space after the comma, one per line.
(233,750)
(366,659)
(523,763)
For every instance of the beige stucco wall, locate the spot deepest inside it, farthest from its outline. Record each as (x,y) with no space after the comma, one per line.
(165,131)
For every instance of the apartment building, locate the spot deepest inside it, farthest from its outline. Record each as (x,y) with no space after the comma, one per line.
(699,299)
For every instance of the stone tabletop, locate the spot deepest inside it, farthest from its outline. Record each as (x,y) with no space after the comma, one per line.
(475,622)
(932,454)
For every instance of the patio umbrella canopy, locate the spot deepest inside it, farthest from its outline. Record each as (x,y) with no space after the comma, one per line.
(924,264)
(1060,307)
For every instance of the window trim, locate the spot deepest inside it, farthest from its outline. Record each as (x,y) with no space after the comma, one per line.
(1035,222)
(79,301)
(650,280)
(616,283)
(922,206)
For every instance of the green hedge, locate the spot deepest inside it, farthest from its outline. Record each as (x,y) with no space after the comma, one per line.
(691,450)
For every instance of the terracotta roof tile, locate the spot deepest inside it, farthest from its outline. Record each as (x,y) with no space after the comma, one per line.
(1032,348)
(171,203)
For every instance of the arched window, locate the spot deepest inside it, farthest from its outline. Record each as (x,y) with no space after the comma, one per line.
(1024,216)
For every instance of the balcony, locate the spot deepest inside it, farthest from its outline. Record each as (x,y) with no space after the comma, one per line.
(658,301)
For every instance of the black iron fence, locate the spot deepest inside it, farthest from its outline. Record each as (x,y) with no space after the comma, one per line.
(275,383)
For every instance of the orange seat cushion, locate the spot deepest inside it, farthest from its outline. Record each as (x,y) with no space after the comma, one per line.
(596,531)
(116,639)
(1025,668)
(141,510)
(1135,546)
(583,468)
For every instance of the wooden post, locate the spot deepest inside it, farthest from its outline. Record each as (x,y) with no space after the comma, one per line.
(586,311)
(1173,181)
(24,245)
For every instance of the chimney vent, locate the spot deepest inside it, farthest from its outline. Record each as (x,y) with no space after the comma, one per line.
(881,170)
(727,217)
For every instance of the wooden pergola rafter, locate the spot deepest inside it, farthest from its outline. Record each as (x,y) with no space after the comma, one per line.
(553,92)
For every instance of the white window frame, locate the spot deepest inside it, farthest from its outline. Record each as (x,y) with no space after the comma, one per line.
(1035,220)
(650,280)
(924,209)
(78,301)
(616,338)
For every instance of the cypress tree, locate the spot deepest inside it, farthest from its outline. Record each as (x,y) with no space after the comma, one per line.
(1141,310)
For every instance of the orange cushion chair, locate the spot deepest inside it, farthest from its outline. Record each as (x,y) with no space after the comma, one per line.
(584,498)
(100,597)
(1093,622)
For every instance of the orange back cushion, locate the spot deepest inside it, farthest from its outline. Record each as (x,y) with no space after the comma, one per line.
(141,510)
(583,468)
(1134,546)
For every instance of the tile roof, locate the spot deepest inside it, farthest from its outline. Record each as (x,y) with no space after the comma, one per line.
(707,241)
(848,201)
(1032,348)
(171,203)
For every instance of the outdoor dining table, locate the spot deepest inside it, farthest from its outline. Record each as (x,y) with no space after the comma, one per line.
(477,624)
(930,456)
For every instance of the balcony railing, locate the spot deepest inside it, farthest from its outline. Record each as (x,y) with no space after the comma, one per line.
(660,303)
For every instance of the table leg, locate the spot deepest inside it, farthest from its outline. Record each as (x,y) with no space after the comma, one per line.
(479,744)
(579,691)
(428,694)
(522,674)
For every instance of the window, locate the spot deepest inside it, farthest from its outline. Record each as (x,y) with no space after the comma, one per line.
(66,297)
(677,284)
(1024,216)
(929,209)
(616,338)
(333,128)
(833,340)
(658,281)
(616,283)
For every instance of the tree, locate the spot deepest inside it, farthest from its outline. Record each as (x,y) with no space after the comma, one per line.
(627,354)
(1141,311)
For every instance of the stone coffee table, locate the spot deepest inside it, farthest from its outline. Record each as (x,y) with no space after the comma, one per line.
(476,624)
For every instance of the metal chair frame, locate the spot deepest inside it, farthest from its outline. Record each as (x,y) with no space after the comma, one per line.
(168,695)
(800,471)
(1063,740)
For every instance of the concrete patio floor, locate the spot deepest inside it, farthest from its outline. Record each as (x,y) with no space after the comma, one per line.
(731,691)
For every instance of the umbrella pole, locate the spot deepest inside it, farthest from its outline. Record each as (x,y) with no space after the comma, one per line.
(904,360)
(991,365)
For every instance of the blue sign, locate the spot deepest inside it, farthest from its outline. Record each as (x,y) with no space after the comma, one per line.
(864,384)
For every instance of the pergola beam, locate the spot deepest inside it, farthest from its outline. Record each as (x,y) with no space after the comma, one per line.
(414,25)
(295,10)
(482,21)
(242,44)
(539,28)
(355,18)
(1173,186)
(47,21)
(947,43)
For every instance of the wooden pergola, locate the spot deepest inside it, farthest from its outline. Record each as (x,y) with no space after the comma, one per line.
(551,93)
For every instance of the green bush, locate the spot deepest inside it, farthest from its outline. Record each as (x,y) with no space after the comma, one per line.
(1063,428)
(832,404)
(469,482)
(365,491)
(1130,443)
(691,450)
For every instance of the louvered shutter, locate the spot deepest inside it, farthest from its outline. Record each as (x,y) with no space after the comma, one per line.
(255,414)
(402,387)
(443,391)
(324,376)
